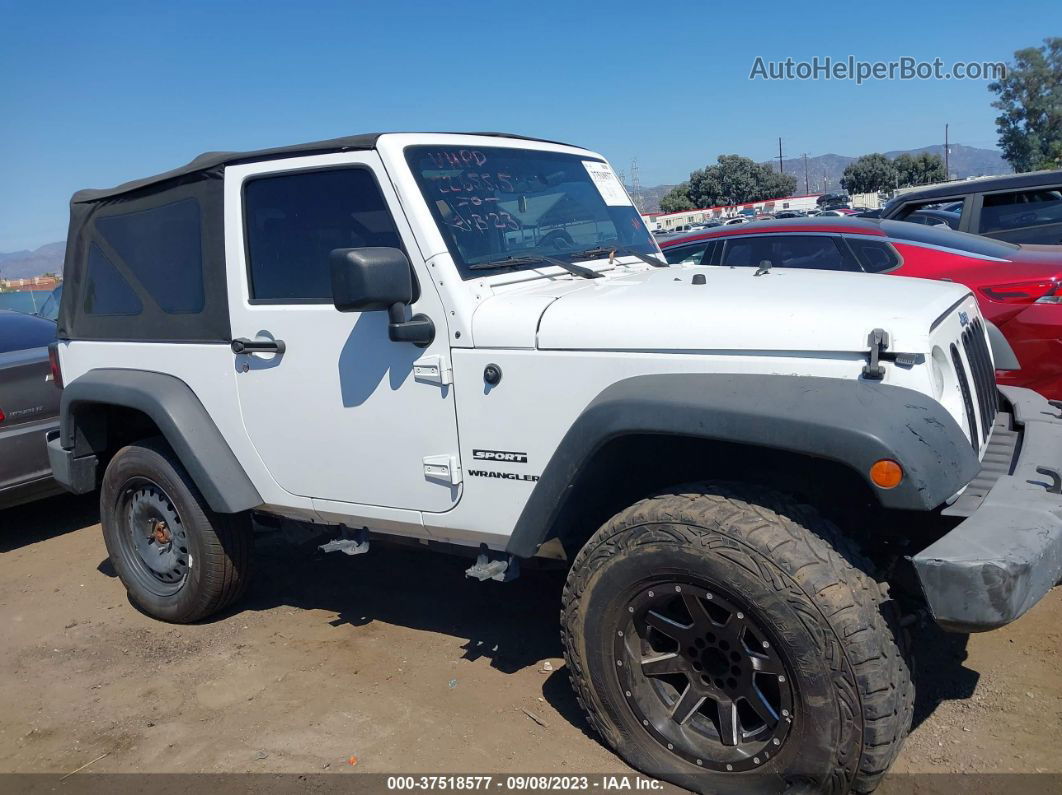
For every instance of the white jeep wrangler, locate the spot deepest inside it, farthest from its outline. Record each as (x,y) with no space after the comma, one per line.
(472,340)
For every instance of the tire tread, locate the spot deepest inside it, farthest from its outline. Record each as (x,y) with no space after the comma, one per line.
(792,547)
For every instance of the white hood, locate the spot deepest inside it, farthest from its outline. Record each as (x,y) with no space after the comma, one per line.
(661,309)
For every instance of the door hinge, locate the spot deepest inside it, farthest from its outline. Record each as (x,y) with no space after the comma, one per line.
(432,370)
(442,468)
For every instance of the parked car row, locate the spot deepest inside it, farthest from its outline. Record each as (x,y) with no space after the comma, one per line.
(29,407)
(747,216)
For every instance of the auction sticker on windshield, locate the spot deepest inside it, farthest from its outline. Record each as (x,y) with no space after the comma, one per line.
(608,185)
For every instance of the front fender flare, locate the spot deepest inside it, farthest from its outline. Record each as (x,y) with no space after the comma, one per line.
(181,419)
(854,423)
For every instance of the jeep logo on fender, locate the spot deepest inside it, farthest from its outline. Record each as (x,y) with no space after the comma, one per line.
(500,455)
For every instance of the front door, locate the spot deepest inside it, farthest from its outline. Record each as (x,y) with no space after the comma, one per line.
(339,415)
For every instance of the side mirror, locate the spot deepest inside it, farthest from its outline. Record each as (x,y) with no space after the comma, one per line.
(370,279)
(373,279)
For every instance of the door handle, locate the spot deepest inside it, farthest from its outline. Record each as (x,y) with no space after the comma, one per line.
(244,345)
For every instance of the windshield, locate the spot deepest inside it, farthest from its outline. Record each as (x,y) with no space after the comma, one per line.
(495,203)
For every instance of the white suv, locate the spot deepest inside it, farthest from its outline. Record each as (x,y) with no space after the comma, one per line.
(473,340)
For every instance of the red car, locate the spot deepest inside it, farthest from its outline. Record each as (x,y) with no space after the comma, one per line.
(1019,287)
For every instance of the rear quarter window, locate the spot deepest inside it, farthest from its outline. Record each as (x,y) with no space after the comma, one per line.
(162,249)
(106,290)
(874,256)
(1019,209)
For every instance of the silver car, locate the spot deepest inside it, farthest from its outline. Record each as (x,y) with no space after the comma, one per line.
(29,407)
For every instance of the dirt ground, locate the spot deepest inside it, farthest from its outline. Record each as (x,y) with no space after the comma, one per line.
(393,658)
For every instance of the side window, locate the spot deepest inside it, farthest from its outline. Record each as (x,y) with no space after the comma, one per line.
(293,221)
(106,291)
(946,211)
(874,256)
(162,249)
(687,255)
(818,252)
(1017,209)
(740,253)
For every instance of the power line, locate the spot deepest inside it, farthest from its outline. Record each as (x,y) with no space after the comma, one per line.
(636,185)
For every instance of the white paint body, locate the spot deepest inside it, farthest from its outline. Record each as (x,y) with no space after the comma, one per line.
(339,427)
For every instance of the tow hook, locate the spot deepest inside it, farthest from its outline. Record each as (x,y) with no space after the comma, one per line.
(491,566)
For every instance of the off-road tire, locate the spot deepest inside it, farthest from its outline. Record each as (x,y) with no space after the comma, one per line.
(802,580)
(218,547)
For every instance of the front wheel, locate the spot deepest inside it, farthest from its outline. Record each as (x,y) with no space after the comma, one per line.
(726,639)
(179,561)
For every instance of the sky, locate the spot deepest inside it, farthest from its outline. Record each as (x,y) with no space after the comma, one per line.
(96,93)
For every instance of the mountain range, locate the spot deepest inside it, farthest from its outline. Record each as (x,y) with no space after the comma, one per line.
(963,161)
(824,171)
(22,264)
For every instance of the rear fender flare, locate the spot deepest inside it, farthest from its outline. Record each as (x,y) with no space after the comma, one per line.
(181,419)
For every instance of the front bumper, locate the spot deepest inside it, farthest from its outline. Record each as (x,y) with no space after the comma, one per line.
(1001,560)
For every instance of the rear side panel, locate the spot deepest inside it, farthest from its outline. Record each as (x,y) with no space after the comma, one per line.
(30,403)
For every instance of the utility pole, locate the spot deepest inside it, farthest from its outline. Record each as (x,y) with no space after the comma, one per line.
(780,169)
(947,153)
(807,184)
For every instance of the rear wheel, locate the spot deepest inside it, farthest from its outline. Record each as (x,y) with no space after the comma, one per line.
(726,639)
(179,561)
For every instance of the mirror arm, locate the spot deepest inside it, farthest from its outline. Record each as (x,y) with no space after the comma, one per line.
(418,329)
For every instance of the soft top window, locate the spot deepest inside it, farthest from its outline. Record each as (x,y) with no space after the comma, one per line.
(162,249)
(147,264)
(106,291)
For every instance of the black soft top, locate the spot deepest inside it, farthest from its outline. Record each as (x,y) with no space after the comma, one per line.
(209,161)
(145,261)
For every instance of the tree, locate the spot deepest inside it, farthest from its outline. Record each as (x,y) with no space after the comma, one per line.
(1030,98)
(732,180)
(677,199)
(921,169)
(869,174)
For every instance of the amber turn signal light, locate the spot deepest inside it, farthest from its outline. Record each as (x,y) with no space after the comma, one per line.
(886,474)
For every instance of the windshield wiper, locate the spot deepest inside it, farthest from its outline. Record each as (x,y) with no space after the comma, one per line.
(600,251)
(505,262)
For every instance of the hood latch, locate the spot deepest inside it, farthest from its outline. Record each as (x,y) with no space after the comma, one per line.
(878,341)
